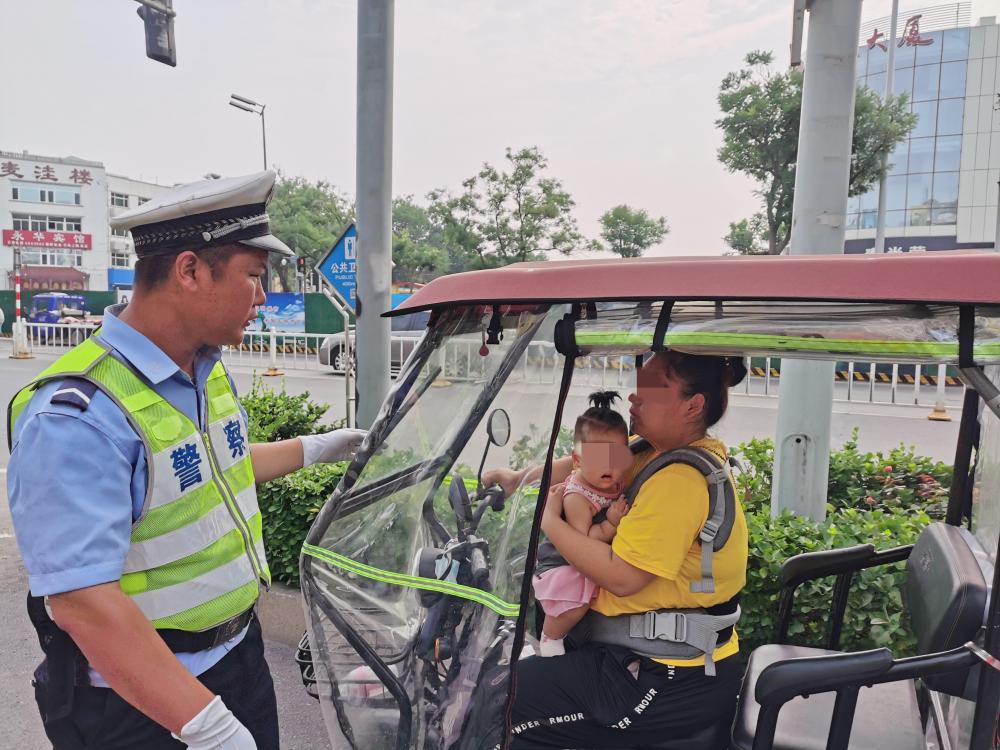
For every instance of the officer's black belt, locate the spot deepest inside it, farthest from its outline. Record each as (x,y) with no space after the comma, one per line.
(183,641)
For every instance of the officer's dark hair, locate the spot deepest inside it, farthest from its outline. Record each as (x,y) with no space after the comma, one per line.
(153,270)
(708,375)
(601,416)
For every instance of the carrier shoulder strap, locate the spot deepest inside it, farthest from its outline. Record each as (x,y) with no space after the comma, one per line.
(721,500)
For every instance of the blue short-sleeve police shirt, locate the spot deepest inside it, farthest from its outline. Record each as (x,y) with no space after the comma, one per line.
(77,477)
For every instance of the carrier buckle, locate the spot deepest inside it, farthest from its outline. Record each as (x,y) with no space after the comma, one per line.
(666,626)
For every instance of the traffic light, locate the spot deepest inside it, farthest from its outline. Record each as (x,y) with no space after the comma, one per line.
(159,26)
(300,263)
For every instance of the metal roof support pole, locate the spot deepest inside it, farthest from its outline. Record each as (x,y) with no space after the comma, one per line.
(802,442)
(890,71)
(374,196)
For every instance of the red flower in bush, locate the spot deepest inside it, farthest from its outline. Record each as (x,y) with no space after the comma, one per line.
(887,470)
(870,500)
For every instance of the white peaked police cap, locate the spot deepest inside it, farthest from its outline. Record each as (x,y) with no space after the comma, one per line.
(199,215)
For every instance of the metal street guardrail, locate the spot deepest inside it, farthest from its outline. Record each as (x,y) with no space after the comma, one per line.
(857,382)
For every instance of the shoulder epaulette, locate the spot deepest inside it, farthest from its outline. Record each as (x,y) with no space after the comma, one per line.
(75,392)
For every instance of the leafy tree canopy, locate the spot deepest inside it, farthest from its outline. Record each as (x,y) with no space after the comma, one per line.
(507,215)
(308,217)
(748,236)
(761,109)
(631,232)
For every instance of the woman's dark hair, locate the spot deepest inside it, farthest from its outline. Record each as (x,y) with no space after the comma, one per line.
(601,415)
(710,376)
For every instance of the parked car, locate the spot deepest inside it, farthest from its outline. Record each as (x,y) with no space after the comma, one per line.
(406,332)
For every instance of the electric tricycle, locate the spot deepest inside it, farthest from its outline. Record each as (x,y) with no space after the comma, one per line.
(416,576)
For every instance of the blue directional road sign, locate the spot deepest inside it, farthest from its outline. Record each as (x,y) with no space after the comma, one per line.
(340,266)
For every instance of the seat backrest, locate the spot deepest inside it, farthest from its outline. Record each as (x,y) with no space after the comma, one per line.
(946,597)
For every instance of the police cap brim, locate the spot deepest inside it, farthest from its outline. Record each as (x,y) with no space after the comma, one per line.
(270,243)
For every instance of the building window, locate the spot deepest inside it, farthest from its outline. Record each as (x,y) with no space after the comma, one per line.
(926,113)
(140,200)
(36,194)
(63,224)
(925,82)
(119,232)
(952,80)
(929,53)
(121,259)
(51,257)
(921,155)
(37,223)
(948,153)
(119,199)
(955,45)
(950,115)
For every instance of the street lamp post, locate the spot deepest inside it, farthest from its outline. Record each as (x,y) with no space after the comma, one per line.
(249,105)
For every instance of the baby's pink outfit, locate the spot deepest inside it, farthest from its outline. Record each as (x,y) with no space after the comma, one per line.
(564,588)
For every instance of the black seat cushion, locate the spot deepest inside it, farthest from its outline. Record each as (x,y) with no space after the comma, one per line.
(946,595)
(887,717)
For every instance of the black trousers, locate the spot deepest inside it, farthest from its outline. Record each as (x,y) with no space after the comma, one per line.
(589,698)
(101,720)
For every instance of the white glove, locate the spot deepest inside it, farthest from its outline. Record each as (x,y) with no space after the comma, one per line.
(330,447)
(215,728)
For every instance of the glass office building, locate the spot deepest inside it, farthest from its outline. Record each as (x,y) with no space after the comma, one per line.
(941,192)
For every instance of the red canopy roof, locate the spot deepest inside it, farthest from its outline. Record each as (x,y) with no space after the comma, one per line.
(957,276)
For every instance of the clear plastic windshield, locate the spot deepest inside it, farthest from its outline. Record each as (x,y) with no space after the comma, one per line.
(413,573)
(412,578)
(840,331)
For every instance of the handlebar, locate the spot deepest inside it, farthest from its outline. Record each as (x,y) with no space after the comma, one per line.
(479,571)
(491,497)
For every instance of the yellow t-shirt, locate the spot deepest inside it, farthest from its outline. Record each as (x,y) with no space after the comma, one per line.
(660,535)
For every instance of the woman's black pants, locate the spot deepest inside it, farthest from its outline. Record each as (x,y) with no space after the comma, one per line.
(590,698)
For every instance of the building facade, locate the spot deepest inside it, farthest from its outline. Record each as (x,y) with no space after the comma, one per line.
(941,192)
(55,212)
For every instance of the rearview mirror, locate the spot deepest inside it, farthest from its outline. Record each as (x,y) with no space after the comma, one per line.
(498,427)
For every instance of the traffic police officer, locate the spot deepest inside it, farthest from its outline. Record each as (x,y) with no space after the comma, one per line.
(131,486)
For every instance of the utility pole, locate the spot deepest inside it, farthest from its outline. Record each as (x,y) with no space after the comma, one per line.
(890,73)
(802,442)
(374,196)
(20,335)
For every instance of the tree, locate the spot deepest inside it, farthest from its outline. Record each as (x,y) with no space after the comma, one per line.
(760,125)
(417,250)
(631,232)
(308,217)
(509,216)
(748,236)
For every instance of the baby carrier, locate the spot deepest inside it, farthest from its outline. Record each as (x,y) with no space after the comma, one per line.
(670,633)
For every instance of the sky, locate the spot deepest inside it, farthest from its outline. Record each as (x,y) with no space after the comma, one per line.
(619,95)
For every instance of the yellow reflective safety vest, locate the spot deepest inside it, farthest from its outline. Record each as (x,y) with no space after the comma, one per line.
(196,555)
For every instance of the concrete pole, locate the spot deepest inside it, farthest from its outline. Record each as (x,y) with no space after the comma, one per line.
(890,73)
(802,443)
(374,196)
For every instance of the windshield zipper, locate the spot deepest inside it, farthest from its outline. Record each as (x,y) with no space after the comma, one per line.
(230,500)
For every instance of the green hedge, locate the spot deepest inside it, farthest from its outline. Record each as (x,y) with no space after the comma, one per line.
(877,498)
(880,498)
(289,504)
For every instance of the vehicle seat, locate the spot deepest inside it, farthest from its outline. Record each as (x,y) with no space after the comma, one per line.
(804,723)
(945,594)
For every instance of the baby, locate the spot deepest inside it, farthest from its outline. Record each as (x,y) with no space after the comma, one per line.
(592,504)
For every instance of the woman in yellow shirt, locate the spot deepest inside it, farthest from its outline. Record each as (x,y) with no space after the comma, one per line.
(602,696)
